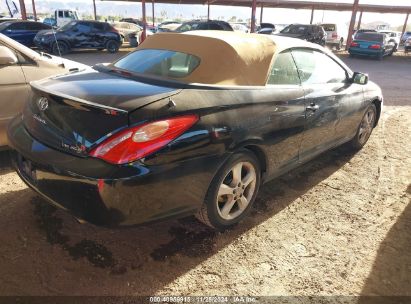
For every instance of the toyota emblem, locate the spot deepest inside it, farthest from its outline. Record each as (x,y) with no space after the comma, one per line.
(43,103)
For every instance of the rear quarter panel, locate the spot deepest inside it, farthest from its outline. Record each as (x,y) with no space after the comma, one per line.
(271,119)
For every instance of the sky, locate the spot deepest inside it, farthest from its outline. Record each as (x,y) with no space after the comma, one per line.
(279,16)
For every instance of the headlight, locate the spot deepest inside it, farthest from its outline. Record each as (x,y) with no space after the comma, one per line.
(43,39)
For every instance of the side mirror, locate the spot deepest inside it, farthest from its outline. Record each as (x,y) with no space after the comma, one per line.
(7,57)
(360,78)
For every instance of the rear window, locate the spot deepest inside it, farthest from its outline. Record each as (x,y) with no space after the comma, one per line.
(328,27)
(369,37)
(163,63)
(188,27)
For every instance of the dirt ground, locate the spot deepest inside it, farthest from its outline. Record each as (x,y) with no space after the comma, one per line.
(339,225)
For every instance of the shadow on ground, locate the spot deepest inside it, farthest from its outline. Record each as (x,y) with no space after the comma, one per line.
(391,272)
(5,162)
(46,252)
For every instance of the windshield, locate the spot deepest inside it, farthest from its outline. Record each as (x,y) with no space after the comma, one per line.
(295,29)
(163,63)
(370,37)
(4,25)
(68,26)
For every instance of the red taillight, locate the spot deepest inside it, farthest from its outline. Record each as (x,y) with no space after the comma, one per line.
(334,35)
(354,44)
(375,46)
(137,142)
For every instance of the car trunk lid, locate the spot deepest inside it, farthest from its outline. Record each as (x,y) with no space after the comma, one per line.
(75,112)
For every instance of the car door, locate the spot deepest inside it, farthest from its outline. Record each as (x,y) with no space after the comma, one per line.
(286,113)
(81,35)
(14,93)
(98,34)
(325,85)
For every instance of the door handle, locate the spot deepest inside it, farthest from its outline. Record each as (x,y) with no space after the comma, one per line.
(312,107)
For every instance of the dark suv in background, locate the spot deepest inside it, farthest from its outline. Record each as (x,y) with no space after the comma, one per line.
(79,35)
(309,32)
(197,25)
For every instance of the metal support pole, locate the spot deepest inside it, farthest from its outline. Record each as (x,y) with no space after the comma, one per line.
(152,6)
(143,20)
(359,21)
(261,13)
(312,15)
(352,23)
(208,10)
(34,10)
(253,10)
(23,10)
(404,28)
(95,9)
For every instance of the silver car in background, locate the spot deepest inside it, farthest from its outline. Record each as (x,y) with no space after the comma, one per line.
(125,29)
(18,66)
(336,34)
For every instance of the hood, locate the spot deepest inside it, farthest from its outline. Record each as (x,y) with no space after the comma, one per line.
(104,90)
(67,64)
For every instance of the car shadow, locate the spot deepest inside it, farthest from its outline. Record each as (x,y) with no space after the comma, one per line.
(391,271)
(90,260)
(5,162)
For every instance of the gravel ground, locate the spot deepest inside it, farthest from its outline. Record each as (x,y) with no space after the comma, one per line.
(339,225)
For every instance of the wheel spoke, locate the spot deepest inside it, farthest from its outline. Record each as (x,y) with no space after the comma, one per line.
(225,190)
(242,203)
(225,211)
(237,173)
(249,178)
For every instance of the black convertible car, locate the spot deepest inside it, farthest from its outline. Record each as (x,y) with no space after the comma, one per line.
(188,124)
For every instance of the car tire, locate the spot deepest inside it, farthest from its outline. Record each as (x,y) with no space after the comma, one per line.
(60,48)
(232,191)
(365,128)
(395,48)
(112,46)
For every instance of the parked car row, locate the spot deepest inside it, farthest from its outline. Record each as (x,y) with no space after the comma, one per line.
(78,34)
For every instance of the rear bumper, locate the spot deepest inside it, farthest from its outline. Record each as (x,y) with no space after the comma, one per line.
(108,195)
(364,52)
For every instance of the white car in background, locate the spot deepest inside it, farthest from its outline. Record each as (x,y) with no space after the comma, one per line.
(393,36)
(18,66)
(336,34)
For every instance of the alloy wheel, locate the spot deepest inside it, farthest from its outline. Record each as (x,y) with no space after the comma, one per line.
(367,124)
(236,190)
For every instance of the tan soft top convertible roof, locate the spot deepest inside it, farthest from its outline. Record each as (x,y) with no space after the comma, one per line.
(226,58)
